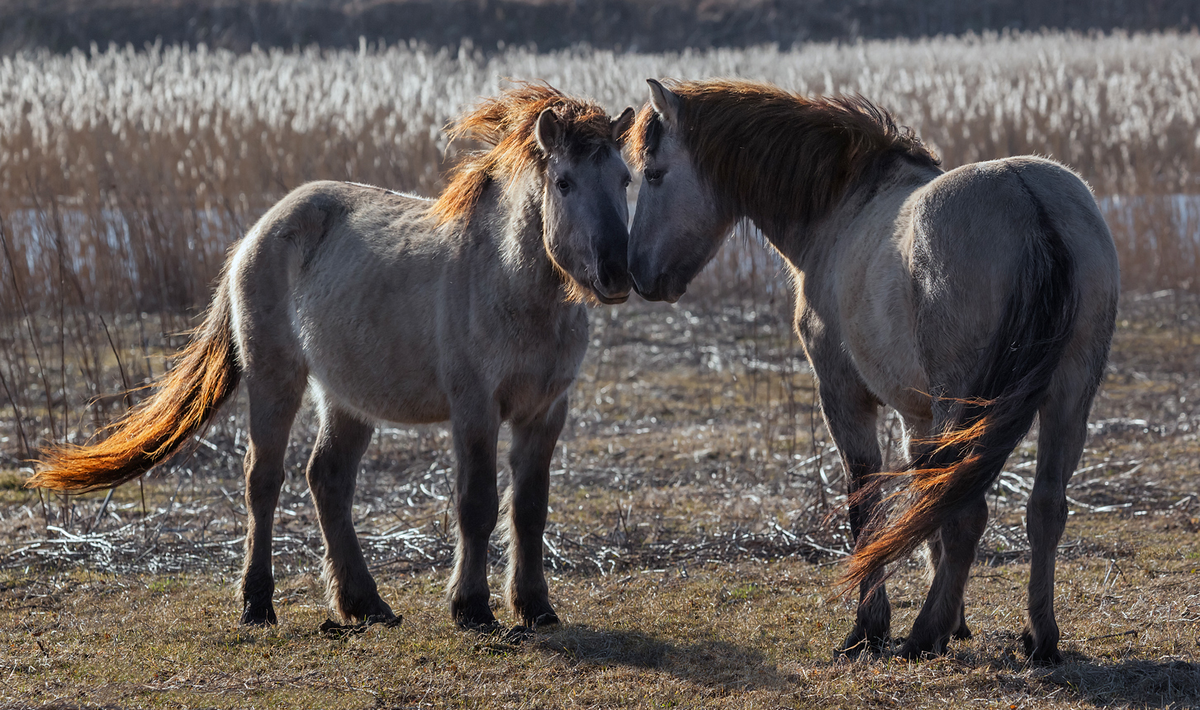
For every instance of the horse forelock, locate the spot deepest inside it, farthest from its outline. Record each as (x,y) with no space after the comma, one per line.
(777,157)
(506,122)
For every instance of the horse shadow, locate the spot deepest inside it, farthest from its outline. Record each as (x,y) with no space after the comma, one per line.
(1137,683)
(1131,683)
(709,661)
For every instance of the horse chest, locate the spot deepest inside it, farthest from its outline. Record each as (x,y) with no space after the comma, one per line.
(536,377)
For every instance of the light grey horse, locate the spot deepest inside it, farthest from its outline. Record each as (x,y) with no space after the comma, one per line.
(967,300)
(391,307)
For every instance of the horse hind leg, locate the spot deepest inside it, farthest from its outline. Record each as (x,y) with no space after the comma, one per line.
(941,615)
(1061,436)
(936,553)
(332,473)
(917,438)
(273,406)
(533,447)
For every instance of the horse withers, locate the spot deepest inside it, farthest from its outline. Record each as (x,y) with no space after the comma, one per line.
(969,301)
(391,307)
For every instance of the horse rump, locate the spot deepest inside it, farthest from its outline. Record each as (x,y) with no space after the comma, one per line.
(961,464)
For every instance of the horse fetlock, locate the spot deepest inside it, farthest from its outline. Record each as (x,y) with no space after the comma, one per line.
(961,631)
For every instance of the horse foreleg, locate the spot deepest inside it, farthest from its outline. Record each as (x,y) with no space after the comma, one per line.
(1061,435)
(332,473)
(477,504)
(942,612)
(533,447)
(272,410)
(851,414)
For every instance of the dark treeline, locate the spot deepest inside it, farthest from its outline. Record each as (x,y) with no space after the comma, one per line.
(641,25)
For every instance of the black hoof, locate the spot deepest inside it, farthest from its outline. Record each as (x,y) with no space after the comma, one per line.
(487,628)
(517,635)
(857,642)
(916,650)
(545,620)
(962,633)
(333,628)
(258,615)
(1040,656)
(376,611)
(474,616)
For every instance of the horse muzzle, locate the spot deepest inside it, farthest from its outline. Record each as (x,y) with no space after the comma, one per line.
(659,288)
(613,282)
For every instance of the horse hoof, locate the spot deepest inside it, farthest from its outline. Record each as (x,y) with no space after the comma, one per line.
(916,651)
(544,620)
(1040,656)
(388,621)
(486,628)
(258,616)
(517,635)
(333,628)
(857,642)
(962,633)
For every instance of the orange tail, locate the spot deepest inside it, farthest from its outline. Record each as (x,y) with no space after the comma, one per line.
(965,460)
(205,376)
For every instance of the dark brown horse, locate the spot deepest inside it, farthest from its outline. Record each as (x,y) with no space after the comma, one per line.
(391,307)
(970,301)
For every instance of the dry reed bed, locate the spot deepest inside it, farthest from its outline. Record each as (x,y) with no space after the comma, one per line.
(147,164)
(125,175)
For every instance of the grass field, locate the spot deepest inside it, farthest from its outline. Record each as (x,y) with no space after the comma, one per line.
(694,540)
(697,523)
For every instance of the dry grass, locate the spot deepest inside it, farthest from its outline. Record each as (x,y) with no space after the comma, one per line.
(691,565)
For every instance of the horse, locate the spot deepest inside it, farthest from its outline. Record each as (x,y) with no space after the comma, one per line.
(967,300)
(392,307)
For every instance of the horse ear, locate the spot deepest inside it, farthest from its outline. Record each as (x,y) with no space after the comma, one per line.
(620,125)
(548,131)
(665,102)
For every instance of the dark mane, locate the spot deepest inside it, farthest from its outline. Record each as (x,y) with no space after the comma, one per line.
(506,122)
(780,158)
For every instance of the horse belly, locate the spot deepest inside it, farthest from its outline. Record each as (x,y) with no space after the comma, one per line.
(400,397)
(385,368)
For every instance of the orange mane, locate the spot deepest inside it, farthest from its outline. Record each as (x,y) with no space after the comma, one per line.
(506,123)
(779,158)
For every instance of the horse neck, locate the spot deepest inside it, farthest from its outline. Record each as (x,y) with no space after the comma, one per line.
(512,218)
(870,205)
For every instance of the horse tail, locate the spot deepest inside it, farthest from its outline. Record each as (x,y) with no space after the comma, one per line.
(962,463)
(186,399)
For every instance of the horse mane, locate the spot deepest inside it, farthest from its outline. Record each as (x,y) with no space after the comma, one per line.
(506,122)
(781,158)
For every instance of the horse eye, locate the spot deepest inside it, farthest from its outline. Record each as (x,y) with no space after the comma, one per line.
(654,176)
(563,186)
(625,180)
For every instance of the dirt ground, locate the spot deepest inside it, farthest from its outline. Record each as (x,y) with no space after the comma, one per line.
(696,531)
